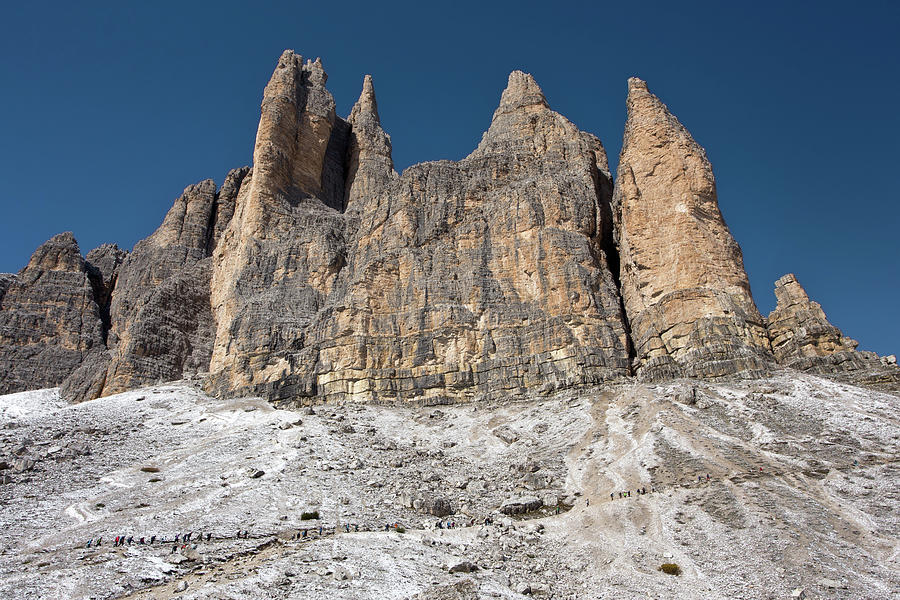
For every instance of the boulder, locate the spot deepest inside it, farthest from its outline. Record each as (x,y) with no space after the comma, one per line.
(524,504)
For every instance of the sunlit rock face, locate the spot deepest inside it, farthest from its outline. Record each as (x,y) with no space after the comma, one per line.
(481,277)
(323,274)
(804,339)
(686,294)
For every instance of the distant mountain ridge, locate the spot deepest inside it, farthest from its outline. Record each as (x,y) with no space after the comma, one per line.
(322,273)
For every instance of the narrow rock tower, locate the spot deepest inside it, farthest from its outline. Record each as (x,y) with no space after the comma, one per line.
(685,291)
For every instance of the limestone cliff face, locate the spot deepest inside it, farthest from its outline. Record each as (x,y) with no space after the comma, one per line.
(802,338)
(686,294)
(481,277)
(478,278)
(159,321)
(324,274)
(278,259)
(49,318)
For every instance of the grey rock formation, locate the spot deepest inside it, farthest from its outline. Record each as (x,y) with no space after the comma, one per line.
(323,273)
(686,294)
(278,260)
(479,278)
(6,279)
(160,322)
(49,319)
(802,338)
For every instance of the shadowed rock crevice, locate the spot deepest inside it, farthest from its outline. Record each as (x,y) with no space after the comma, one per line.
(103,270)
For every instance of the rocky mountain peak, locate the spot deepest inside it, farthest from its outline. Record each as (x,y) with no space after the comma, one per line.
(803,338)
(369,163)
(59,253)
(50,318)
(683,282)
(366,107)
(637,85)
(521,91)
(788,291)
(321,273)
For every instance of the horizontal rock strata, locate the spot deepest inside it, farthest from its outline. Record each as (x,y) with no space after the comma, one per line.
(323,274)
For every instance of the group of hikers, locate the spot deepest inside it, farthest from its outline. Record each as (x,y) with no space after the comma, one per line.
(185,539)
(643,490)
(189,539)
(627,493)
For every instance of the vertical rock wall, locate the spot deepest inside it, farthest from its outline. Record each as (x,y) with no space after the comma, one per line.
(323,273)
(686,294)
(49,318)
(279,258)
(454,280)
(479,278)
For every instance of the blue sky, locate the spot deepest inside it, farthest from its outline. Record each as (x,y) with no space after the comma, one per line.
(109,110)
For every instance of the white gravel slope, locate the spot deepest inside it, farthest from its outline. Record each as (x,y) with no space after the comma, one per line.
(803,493)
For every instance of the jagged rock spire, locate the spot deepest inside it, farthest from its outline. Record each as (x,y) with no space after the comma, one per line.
(281,253)
(59,253)
(370,166)
(685,291)
(799,328)
(366,105)
(297,117)
(521,91)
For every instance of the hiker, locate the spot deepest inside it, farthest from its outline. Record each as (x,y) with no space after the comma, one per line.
(700,478)
(99,541)
(208,536)
(178,537)
(174,549)
(304,534)
(707,476)
(152,539)
(320,531)
(587,501)
(130,539)
(116,542)
(643,490)
(246,534)
(90,541)
(141,542)
(356,527)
